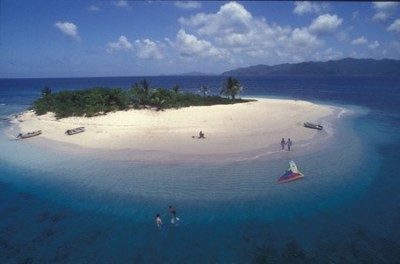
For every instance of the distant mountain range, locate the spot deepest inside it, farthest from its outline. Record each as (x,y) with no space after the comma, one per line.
(343,67)
(195,73)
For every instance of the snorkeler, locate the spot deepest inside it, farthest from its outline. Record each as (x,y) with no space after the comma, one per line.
(172,212)
(158,220)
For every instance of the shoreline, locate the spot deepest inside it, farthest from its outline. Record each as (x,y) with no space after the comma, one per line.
(233,132)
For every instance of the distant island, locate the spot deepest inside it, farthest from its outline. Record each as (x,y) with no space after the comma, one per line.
(343,67)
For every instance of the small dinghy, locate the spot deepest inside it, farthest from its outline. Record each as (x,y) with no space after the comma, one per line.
(313,126)
(29,134)
(75,131)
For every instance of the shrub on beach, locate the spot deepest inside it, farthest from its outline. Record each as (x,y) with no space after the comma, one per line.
(82,103)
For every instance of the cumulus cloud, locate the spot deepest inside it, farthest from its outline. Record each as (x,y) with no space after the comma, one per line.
(122,44)
(68,29)
(395,27)
(305,7)
(233,26)
(374,45)
(147,49)
(189,45)
(384,11)
(188,5)
(363,41)
(360,41)
(303,38)
(325,24)
(233,32)
(231,18)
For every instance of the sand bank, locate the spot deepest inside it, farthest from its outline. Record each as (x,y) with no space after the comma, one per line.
(228,128)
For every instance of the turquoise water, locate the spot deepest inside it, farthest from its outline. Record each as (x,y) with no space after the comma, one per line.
(61,207)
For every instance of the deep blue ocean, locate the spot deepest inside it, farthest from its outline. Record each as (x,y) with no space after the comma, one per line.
(60,207)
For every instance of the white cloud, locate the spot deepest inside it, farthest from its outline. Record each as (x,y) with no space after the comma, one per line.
(188,5)
(233,32)
(395,27)
(122,44)
(325,24)
(374,45)
(381,17)
(384,11)
(303,38)
(147,49)
(305,7)
(122,4)
(231,18)
(69,29)
(385,6)
(189,46)
(234,27)
(94,8)
(360,41)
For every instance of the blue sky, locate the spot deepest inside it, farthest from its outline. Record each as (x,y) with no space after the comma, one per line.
(64,38)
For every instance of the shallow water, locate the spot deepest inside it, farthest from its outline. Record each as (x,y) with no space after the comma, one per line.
(82,208)
(61,207)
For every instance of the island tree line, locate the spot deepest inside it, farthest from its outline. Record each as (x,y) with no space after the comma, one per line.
(100,100)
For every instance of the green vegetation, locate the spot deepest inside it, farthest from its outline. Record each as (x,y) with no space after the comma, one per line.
(231,88)
(97,101)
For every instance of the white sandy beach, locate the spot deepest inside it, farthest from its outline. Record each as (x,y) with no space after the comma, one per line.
(228,128)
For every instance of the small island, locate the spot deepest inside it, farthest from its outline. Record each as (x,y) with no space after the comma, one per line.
(156,125)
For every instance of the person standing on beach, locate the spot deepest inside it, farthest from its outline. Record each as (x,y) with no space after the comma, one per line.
(283,143)
(201,134)
(289,144)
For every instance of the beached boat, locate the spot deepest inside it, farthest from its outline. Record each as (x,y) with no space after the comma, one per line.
(29,134)
(313,126)
(291,174)
(75,131)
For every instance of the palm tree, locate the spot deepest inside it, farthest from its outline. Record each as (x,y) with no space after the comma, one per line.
(176,88)
(146,86)
(46,91)
(204,90)
(231,88)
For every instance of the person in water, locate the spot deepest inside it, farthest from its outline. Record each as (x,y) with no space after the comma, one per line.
(289,144)
(283,143)
(172,212)
(158,220)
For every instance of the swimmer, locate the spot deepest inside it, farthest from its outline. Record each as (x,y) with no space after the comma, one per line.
(158,220)
(172,212)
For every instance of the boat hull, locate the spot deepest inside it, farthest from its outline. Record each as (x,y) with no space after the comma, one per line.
(75,131)
(29,134)
(313,126)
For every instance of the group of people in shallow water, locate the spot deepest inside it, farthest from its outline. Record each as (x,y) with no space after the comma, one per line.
(287,143)
(172,212)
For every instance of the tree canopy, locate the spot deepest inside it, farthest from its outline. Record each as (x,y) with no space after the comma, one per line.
(231,88)
(100,100)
